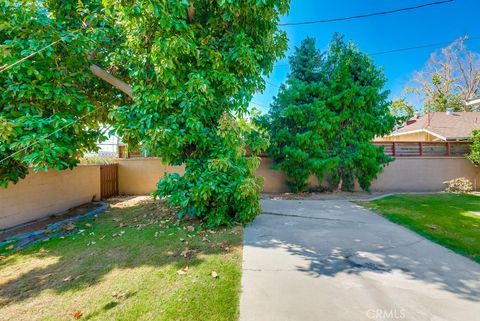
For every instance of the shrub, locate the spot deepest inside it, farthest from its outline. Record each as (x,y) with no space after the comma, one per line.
(458,185)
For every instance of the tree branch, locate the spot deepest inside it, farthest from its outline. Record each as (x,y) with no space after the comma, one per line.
(112,80)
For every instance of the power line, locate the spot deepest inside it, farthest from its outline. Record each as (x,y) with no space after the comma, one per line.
(437,44)
(5,67)
(261,105)
(272,84)
(418,47)
(366,15)
(56,131)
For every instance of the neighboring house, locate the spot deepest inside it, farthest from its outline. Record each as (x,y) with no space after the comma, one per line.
(438,126)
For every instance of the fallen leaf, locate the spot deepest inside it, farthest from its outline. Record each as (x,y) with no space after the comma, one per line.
(88,225)
(190,228)
(119,294)
(43,277)
(183,270)
(69,227)
(215,275)
(185,253)
(76,315)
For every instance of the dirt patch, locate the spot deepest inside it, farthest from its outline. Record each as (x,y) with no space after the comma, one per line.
(44,223)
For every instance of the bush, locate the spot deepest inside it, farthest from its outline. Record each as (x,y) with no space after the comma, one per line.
(458,185)
(225,189)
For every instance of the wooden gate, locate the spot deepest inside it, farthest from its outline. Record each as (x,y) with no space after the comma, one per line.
(108,180)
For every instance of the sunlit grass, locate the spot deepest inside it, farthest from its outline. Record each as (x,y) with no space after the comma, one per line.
(448,219)
(106,274)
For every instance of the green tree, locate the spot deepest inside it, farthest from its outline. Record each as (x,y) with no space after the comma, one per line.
(449,78)
(193,67)
(474,155)
(324,125)
(49,103)
(296,119)
(401,109)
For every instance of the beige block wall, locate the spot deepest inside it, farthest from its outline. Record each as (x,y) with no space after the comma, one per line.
(421,174)
(139,176)
(404,174)
(45,193)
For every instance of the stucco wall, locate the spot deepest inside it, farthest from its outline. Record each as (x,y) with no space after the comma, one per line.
(139,176)
(407,174)
(419,174)
(45,193)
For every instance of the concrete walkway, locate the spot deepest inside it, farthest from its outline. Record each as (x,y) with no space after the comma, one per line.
(333,260)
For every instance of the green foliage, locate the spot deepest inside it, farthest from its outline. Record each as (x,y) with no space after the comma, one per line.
(53,93)
(193,82)
(224,189)
(191,79)
(474,155)
(440,100)
(401,110)
(324,118)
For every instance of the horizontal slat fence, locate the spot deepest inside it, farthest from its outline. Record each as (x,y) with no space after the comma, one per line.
(424,149)
(108,180)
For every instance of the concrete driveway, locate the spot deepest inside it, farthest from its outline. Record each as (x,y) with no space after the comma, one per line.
(333,260)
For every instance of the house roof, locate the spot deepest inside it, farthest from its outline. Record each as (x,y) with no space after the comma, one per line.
(446,126)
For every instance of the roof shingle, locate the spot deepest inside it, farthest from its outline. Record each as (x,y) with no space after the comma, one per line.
(457,125)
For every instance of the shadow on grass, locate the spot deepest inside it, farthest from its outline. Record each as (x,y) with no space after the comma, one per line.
(133,233)
(328,240)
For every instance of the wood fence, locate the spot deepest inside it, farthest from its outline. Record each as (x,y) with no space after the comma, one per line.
(425,149)
(108,180)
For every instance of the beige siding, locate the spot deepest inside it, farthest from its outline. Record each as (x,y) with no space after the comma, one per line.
(414,137)
(45,193)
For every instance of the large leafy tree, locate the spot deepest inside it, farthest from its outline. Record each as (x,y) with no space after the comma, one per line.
(49,104)
(323,120)
(193,67)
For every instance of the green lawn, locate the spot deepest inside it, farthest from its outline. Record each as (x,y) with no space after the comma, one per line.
(447,219)
(135,262)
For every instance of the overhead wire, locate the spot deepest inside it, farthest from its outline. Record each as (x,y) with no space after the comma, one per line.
(366,15)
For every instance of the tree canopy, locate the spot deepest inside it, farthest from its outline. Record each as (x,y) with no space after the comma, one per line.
(449,78)
(401,109)
(193,67)
(325,116)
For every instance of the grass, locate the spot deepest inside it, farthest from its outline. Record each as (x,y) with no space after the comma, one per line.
(447,219)
(135,262)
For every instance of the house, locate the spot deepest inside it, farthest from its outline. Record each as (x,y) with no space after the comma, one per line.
(438,126)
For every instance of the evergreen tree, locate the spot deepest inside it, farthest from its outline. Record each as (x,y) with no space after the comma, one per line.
(323,120)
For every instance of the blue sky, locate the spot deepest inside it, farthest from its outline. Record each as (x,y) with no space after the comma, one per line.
(434,24)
